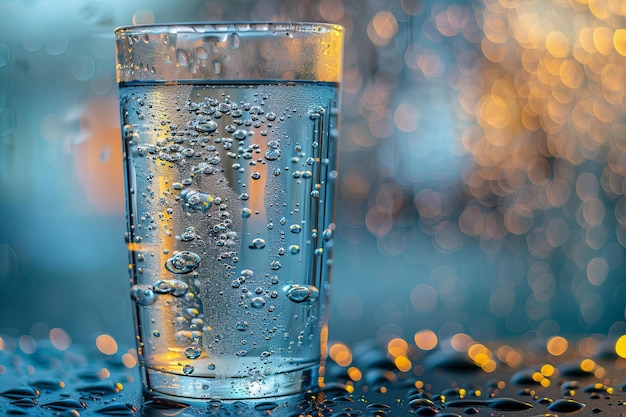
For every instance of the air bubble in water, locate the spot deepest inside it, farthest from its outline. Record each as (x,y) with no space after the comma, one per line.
(257,302)
(197,200)
(182,262)
(188,235)
(143,295)
(273,153)
(257,243)
(301,293)
(205,126)
(193,352)
(240,134)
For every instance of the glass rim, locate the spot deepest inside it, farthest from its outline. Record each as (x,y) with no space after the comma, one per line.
(230,26)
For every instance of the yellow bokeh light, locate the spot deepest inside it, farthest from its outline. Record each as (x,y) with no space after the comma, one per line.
(403,363)
(557,44)
(489,366)
(603,40)
(557,345)
(341,354)
(620,346)
(397,347)
(547,370)
(426,339)
(619,41)
(355,373)
(587,365)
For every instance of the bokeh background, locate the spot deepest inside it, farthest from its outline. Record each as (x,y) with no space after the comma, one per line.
(482,167)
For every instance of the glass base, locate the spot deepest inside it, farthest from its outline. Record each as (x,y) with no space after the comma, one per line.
(186,389)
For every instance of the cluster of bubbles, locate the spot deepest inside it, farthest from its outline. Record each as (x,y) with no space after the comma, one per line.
(219,145)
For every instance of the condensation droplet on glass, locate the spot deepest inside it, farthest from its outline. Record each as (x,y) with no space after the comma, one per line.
(192,352)
(240,134)
(295,228)
(182,262)
(302,293)
(143,295)
(188,369)
(257,243)
(272,155)
(257,302)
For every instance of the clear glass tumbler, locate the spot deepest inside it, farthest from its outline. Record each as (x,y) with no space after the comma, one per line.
(229,133)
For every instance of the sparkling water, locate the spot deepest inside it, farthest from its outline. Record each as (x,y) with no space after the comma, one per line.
(230,230)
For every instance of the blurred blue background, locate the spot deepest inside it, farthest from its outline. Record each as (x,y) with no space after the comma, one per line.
(482,164)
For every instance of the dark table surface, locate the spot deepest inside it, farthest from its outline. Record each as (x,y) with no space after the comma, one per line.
(82,381)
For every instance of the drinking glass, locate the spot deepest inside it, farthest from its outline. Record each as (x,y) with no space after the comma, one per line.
(229,133)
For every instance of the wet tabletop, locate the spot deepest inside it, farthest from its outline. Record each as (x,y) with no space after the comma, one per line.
(501,379)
